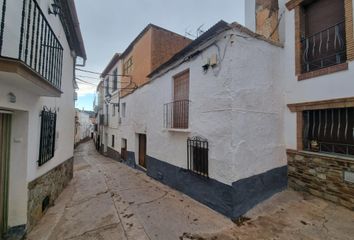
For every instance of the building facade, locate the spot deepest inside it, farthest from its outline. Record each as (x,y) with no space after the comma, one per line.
(240,113)
(318,94)
(186,127)
(128,71)
(39,49)
(84,125)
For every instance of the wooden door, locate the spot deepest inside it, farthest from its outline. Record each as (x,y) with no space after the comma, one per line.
(181,100)
(5,131)
(123,151)
(142,150)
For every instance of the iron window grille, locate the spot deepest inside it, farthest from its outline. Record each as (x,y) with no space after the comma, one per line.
(197,155)
(329,131)
(324,49)
(47,137)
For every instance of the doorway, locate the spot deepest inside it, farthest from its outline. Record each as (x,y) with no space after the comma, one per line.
(142,150)
(5,132)
(123,150)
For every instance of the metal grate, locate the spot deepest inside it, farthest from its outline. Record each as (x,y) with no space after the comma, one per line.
(47,139)
(39,47)
(176,114)
(329,130)
(324,49)
(197,155)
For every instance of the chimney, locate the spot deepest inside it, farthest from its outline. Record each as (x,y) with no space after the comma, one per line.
(267,19)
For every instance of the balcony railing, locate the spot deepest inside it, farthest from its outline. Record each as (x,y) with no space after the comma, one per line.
(38,46)
(324,49)
(176,114)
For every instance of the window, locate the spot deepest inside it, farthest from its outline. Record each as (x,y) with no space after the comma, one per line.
(115,80)
(197,155)
(112,141)
(47,137)
(107,86)
(128,66)
(323,40)
(329,131)
(123,109)
(176,113)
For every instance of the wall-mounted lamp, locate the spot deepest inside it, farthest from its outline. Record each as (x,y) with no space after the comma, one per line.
(55,9)
(11,97)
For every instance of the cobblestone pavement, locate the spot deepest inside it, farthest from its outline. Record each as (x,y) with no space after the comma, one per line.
(109,200)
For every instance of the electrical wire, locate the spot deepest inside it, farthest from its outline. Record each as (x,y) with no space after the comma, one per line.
(98,73)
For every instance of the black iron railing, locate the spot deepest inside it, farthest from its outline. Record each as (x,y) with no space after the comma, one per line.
(176,114)
(197,155)
(329,130)
(324,49)
(38,46)
(47,139)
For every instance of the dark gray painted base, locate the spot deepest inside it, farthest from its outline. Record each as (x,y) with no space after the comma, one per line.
(210,192)
(113,154)
(231,201)
(248,192)
(15,233)
(130,161)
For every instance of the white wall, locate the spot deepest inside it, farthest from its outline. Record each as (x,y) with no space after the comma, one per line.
(18,169)
(237,107)
(336,85)
(32,105)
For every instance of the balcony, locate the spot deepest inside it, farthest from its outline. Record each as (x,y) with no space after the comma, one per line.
(176,114)
(31,56)
(324,49)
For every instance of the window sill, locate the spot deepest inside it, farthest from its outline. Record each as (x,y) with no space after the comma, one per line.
(185,130)
(323,71)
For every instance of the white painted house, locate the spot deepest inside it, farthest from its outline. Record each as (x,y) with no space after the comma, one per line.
(235,114)
(317,72)
(40,43)
(208,122)
(83,125)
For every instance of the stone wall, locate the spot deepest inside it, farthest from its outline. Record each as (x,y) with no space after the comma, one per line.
(50,184)
(322,176)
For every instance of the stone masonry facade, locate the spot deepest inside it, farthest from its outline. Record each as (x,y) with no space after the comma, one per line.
(322,176)
(49,185)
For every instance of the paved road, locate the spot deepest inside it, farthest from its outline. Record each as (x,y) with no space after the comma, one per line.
(109,200)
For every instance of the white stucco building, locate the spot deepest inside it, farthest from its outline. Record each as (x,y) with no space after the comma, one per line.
(83,125)
(39,50)
(207,122)
(232,117)
(317,81)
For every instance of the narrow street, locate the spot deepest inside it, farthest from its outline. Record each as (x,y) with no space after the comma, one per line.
(109,200)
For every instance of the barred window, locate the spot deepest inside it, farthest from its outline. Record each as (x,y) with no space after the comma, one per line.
(197,155)
(47,137)
(329,130)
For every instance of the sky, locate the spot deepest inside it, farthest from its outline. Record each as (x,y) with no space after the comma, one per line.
(109,26)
